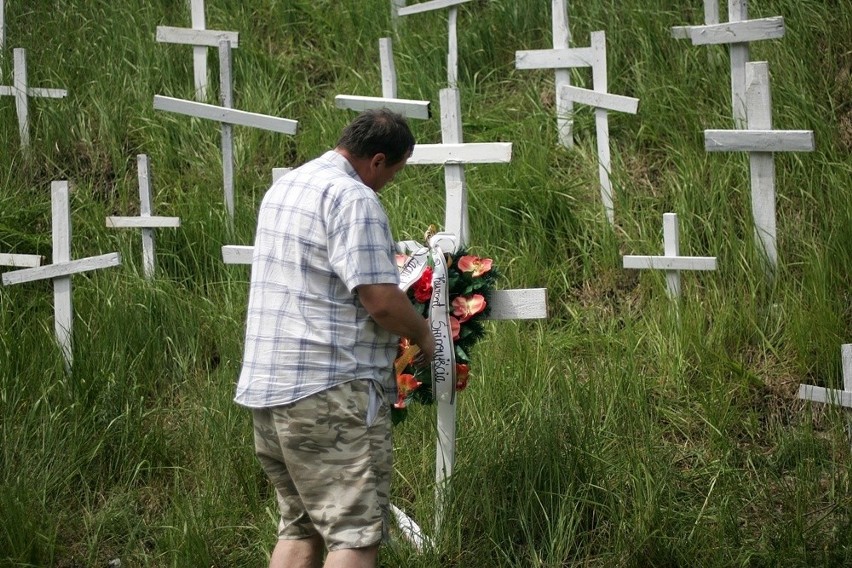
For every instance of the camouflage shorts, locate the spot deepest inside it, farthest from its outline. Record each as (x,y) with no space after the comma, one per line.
(330,468)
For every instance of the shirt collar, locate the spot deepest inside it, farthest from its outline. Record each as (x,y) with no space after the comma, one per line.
(341,162)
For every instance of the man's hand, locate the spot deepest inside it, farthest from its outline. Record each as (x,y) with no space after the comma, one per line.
(391,309)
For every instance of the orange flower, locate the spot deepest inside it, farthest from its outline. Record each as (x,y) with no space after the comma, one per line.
(465,307)
(455,327)
(478,266)
(462,374)
(401,259)
(405,385)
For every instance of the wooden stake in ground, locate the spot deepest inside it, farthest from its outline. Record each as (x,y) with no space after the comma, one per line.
(2,35)
(603,102)
(838,397)
(146,220)
(547,59)
(200,39)
(227,117)
(761,141)
(452,28)
(21,90)
(62,269)
(671,261)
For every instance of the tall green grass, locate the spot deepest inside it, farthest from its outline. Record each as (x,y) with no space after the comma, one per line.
(622,431)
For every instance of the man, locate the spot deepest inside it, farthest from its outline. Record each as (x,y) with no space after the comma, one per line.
(325,312)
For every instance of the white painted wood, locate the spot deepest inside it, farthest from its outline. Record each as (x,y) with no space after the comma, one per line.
(62,301)
(406,107)
(411,530)
(562,40)
(711,17)
(60,271)
(429,6)
(555,58)
(672,263)
(2,35)
(738,32)
(221,114)
(738,12)
(237,254)
(833,396)
(523,304)
(142,222)
(388,67)
(759,140)
(599,80)
(199,53)
(453,48)
(617,103)
(226,99)
(456,219)
(470,153)
(35,92)
(197,38)
(396,5)
(278,173)
(20,260)
(762,164)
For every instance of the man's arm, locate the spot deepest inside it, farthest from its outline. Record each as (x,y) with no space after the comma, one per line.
(391,309)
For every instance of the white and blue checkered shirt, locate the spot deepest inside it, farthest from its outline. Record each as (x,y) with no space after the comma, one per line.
(320,233)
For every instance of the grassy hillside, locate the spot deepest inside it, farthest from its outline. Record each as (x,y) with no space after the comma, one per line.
(622,431)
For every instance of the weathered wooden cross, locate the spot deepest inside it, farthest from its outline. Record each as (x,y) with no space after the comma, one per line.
(671,261)
(548,59)
(761,141)
(839,397)
(406,107)
(201,39)
(146,220)
(20,260)
(736,33)
(21,90)
(452,25)
(227,117)
(62,269)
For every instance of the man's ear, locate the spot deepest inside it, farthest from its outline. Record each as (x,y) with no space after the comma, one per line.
(377,160)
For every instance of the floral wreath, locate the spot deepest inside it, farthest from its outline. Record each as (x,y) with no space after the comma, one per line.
(470,281)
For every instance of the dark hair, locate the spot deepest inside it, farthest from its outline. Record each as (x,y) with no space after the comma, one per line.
(378,131)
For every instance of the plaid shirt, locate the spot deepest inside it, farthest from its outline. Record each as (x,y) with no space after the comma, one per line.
(320,233)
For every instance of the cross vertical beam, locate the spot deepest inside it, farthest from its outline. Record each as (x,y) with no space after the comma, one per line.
(199,53)
(561,40)
(226,99)
(455,214)
(738,11)
(388,68)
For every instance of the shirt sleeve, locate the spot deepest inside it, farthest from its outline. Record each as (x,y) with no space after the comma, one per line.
(360,246)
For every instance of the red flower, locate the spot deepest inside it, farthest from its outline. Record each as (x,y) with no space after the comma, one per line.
(423,287)
(478,266)
(462,374)
(455,327)
(405,385)
(465,307)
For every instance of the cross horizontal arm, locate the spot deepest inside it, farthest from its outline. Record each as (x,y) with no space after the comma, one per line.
(22,260)
(62,269)
(186,36)
(406,107)
(429,6)
(758,140)
(617,103)
(670,262)
(568,58)
(237,254)
(828,396)
(142,222)
(473,153)
(530,303)
(36,92)
(737,32)
(225,115)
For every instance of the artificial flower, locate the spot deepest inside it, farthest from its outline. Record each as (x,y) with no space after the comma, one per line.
(401,259)
(455,327)
(475,265)
(465,307)
(462,374)
(405,385)
(423,287)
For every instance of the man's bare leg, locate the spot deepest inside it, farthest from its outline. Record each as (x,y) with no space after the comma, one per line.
(353,558)
(302,553)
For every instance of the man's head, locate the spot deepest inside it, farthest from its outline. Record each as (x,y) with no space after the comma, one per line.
(377,143)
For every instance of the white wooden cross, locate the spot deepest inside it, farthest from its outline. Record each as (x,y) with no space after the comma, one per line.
(62,269)
(711,17)
(452,153)
(834,396)
(547,59)
(671,261)
(2,35)
(395,7)
(20,260)
(146,220)
(201,39)
(406,107)
(452,25)
(761,141)
(603,102)
(737,34)
(21,90)
(227,117)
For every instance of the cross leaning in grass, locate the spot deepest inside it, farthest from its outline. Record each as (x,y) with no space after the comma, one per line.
(452,31)
(62,269)
(21,90)
(146,220)
(839,397)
